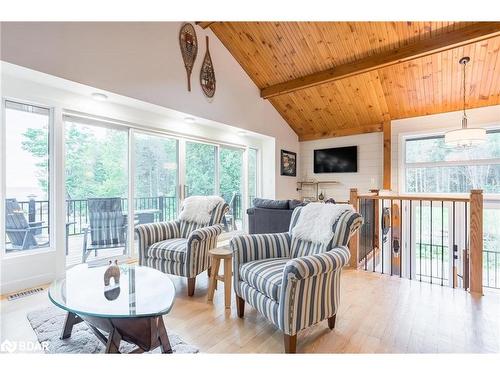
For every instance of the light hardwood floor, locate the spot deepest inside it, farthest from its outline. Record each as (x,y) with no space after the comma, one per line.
(378,314)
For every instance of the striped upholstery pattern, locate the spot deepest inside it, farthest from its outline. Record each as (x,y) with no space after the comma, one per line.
(187,227)
(293,283)
(173,249)
(179,247)
(265,275)
(311,289)
(250,247)
(263,304)
(148,234)
(199,243)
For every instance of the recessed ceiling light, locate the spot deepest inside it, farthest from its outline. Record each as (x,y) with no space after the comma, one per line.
(189,120)
(99,96)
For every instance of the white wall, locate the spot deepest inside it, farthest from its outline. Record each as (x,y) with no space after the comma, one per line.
(142,60)
(369,175)
(487,117)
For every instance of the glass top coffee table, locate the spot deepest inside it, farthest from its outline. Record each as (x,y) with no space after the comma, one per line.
(130,310)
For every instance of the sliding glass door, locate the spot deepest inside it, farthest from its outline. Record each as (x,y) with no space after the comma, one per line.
(155,178)
(96,158)
(231,184)
(200,169)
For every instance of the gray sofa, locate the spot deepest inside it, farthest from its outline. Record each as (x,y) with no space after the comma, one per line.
(270,216)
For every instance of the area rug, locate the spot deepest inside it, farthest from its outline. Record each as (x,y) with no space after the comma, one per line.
(47,324)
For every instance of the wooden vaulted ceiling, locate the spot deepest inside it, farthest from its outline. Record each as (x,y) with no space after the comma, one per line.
(336,78)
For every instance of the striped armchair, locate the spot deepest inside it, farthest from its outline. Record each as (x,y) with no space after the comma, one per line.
(292,282)
(180,247)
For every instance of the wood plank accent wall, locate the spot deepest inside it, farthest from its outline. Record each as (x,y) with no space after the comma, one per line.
(384,88)
(476,241)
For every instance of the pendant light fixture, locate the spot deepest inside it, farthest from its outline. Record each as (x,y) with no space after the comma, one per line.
(465,137)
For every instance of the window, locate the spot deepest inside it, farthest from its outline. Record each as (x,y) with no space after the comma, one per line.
(27,165)
(430,167)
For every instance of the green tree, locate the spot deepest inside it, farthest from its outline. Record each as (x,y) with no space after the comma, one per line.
(37,143)
(97,164)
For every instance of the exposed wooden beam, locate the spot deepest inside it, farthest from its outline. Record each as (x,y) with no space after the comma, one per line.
(342,132)
(387,155)
(204,25)
(470,34)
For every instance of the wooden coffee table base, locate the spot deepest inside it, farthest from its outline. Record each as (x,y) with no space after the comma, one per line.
(146,333)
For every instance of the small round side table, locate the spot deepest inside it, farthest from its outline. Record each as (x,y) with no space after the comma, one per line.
(226,254)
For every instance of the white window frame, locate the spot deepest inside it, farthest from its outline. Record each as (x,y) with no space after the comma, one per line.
(107,124)
(57,182)
(403,165)
(51,178)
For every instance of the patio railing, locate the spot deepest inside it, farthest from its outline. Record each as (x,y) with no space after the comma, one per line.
(162,208)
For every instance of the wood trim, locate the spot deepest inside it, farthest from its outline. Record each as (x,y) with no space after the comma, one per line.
(476,241)
(386,126)
(443,42)
(353,242)
(422,198)
(376,219)
(205,24)
(342,132)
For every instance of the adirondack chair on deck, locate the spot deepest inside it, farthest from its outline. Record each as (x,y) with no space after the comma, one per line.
(22,234)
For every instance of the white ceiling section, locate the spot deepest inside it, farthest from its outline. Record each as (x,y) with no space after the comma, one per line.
(142,60)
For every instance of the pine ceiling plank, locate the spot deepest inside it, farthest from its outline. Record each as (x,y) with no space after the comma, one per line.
(454,39)
(272,52)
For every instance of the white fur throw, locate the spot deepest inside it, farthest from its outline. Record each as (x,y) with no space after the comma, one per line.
(316,221)
(199,209)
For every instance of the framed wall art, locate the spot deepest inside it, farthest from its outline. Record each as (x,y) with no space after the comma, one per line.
(288,163)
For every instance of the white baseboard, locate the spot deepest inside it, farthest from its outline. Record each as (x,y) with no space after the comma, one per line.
(22,284)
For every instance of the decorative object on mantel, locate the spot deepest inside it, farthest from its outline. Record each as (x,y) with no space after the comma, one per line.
(288,163)
(465,137)
(321,196)
(207,74)
(189,48)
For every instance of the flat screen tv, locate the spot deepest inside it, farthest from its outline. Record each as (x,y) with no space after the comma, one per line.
(336,160)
